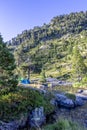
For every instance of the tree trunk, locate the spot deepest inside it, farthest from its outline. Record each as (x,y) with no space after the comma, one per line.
(28,73)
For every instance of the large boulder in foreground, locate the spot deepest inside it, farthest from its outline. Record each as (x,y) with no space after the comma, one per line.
(37,118)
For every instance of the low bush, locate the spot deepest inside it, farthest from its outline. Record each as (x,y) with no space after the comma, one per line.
(64,125)
(70,96)
(22,101)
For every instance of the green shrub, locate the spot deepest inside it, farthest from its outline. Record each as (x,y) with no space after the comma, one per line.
(64,125)
(48,107)
(70,96)
(22,101)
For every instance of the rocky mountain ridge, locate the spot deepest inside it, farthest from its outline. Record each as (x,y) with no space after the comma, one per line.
(58,26)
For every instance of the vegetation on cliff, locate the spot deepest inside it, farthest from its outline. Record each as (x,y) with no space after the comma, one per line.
(51,48)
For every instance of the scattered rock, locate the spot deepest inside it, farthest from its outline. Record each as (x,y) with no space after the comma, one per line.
(37,118)
(55,82)
(8,126)
(78,101)
(14,125)
(68,103)
(82,96)
(80,91)
(84,92)
(63,101)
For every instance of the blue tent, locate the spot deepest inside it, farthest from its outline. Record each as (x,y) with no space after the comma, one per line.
(25,81)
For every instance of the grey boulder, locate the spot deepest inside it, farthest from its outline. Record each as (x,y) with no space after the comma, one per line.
(63,101)
(68,103)
(8,126)
(14,125)
(37,118)
(78,101)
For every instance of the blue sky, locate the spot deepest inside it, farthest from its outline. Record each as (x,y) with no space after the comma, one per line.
(19,15)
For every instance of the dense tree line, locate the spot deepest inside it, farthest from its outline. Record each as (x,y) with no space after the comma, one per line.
(50,46)
(7,67)
(59,26)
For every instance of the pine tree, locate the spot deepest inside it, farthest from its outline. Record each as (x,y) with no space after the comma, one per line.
(7,67)
(78,66)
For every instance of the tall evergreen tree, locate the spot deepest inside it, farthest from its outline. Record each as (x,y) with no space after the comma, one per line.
(78,66)
(7,67)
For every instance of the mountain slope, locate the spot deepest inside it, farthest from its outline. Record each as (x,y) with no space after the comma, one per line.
(50,47)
